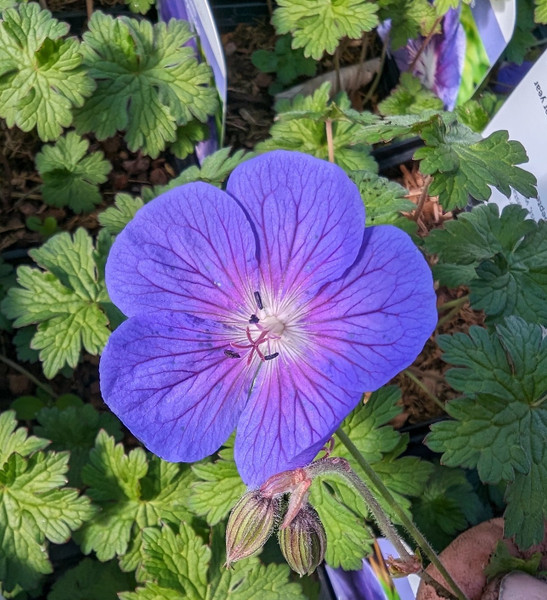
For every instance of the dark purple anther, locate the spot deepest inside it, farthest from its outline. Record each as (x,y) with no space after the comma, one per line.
(258,300)
(254,319)
(270,356)
(231,354)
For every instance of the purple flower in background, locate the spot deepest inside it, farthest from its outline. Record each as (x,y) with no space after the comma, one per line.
(438,64)
(267,308)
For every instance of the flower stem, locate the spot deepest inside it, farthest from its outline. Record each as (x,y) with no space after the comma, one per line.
(400,513)
(424,389)
(456,303)
(44,386)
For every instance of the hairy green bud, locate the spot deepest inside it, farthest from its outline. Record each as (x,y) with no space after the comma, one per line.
(250,525)
(303,541)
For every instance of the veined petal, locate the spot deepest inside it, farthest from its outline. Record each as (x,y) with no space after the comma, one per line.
(374,321)
(191,249)
(292,412)
(309,219)
(167,378)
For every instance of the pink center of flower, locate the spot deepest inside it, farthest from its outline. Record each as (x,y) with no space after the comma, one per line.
(271,330)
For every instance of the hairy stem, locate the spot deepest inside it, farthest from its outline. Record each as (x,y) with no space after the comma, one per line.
(407,523)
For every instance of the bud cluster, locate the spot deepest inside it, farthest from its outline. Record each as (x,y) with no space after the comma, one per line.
(301,535)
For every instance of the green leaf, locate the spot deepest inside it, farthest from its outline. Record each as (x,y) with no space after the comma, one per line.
(115,218)
(447,506)
(500,426)
(501,259)
(188,136)
(148,82)
(348,537)
(33,509)
(540,14)
(409,97)
(91,580)
(41,77)
(476,114)
(286,63)
(75,429)
(308,132)
(134,491)
(502,561)
(16,440)
(140,6)
(71,174)
(409,19)
(463,164)
(178,566)
(63,300)
(218,489)
(318,26)
(384,200)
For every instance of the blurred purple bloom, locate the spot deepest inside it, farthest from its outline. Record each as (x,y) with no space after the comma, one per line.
(440,64)
(267,307)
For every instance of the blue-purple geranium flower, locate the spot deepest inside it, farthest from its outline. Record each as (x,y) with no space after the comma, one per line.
(267,308)
(438,61)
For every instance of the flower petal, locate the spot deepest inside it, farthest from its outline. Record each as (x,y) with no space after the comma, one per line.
(167,378)
(373,322)
(309,218)
(292,412)
(191,249)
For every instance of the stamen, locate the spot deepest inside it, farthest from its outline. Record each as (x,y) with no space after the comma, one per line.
(254,319)
(258,300)
(231,354)
(270,356)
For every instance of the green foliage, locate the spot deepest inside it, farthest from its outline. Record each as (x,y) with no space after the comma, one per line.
(91,580)
(41,77)
(540,14)
(219,487)
(133,491)
(71,174)
(463,164)
(287,64)
(384,200)
(307,132)
(148,82)
(409,19)
(502,259)
(46,227)
(187,137)
(499,426)
(523,38)
(179,566)
(410,97)
(476,114)
(140,6)
(115,218)
(341,510)
(318,26)
(34,506)
(75,428)
(502,561)
(64,299)
(447,506)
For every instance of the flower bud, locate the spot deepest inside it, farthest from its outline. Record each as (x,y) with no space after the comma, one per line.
(250,524)
(303,541)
